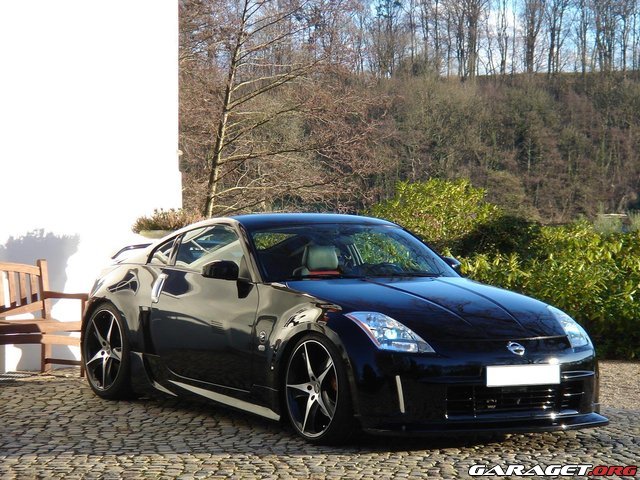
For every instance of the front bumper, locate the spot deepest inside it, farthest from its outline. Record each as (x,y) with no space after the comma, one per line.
(422,395)
(573,422)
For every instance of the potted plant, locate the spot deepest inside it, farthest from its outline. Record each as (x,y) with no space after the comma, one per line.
(163,222)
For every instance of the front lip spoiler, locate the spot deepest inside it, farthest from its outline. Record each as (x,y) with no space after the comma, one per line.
(589,420)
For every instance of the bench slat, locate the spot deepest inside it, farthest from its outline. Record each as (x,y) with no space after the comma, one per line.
(42,338)
(21,339)
(2,276)
(24,297)
(13,295)
(9,327)
(19,267)
(29,308)
(49,339)
(34,288)
(62,295)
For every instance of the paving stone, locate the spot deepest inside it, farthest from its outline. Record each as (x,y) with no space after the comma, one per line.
(53,426)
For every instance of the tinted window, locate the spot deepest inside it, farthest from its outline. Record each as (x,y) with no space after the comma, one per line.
(377,247)
(204,245)
(344,250)
(162,254)
(265,240)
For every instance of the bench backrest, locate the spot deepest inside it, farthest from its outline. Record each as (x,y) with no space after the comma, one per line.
(22,289)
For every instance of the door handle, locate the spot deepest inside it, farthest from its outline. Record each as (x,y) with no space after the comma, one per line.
(157,287)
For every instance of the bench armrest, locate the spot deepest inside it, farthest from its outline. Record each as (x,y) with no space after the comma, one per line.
(73,296)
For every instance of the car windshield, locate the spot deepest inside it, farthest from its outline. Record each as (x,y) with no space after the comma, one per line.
(344,251)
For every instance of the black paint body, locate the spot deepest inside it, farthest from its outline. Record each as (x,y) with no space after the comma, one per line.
(229,341)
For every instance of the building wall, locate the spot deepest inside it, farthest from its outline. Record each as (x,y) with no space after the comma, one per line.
(88,136)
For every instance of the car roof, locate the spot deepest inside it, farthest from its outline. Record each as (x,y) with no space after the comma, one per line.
(262,220)
(254,221)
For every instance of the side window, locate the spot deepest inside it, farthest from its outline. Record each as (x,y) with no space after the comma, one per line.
(162,254)
(205,245)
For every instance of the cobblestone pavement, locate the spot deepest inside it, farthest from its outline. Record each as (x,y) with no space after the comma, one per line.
(52,426)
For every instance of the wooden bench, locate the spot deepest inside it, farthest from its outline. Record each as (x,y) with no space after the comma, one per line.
(25,289)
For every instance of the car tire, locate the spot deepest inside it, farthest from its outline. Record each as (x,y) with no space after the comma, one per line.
(317,393)
(105,354)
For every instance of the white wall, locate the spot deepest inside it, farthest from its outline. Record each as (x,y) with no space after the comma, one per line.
(88,135)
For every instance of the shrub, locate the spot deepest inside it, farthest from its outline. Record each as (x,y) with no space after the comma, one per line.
(443,212)
(171,219)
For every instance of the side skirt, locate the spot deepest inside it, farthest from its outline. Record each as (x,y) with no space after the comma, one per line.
(232,402)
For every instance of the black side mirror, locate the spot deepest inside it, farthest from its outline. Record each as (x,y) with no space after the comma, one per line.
(453,263)
(221,269)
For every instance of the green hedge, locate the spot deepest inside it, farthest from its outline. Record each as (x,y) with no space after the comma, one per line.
(593,276)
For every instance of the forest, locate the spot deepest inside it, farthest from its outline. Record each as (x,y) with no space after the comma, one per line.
(328,104)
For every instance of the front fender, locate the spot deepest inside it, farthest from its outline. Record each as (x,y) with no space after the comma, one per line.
(320,324)
(126,288)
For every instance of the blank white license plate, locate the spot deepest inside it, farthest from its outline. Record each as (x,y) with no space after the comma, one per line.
(517,375)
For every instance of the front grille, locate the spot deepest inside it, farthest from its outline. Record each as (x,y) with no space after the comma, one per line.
(478,401)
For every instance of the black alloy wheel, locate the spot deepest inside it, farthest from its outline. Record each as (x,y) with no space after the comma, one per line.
(317,393)
(105,354)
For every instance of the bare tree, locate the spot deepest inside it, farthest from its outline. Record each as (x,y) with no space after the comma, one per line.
(411,13)
(458,16)
(555,15)
(502,34)
(474,14)
(360,44)
(605,17)
(434,26)
(466,17)
(451,29)
(257,55)
(582,33)
(635,41)
(388,38)
(628,13)
(514,38)
(489,39)
(532,17)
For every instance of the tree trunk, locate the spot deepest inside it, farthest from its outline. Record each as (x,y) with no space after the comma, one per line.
(214,167)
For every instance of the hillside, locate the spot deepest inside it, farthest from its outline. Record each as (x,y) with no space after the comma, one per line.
(549,148)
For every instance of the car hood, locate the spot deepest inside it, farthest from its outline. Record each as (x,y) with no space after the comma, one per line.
(443,308)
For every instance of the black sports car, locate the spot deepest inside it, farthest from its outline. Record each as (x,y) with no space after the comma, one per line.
(335,322)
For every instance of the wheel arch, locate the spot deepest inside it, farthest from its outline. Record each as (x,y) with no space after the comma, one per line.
(94,304)
(286,350)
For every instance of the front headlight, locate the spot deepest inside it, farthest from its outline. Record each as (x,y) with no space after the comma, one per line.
(578,337)
(389,334)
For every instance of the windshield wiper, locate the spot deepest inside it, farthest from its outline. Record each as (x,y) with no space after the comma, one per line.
(324,275)
(408,274)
